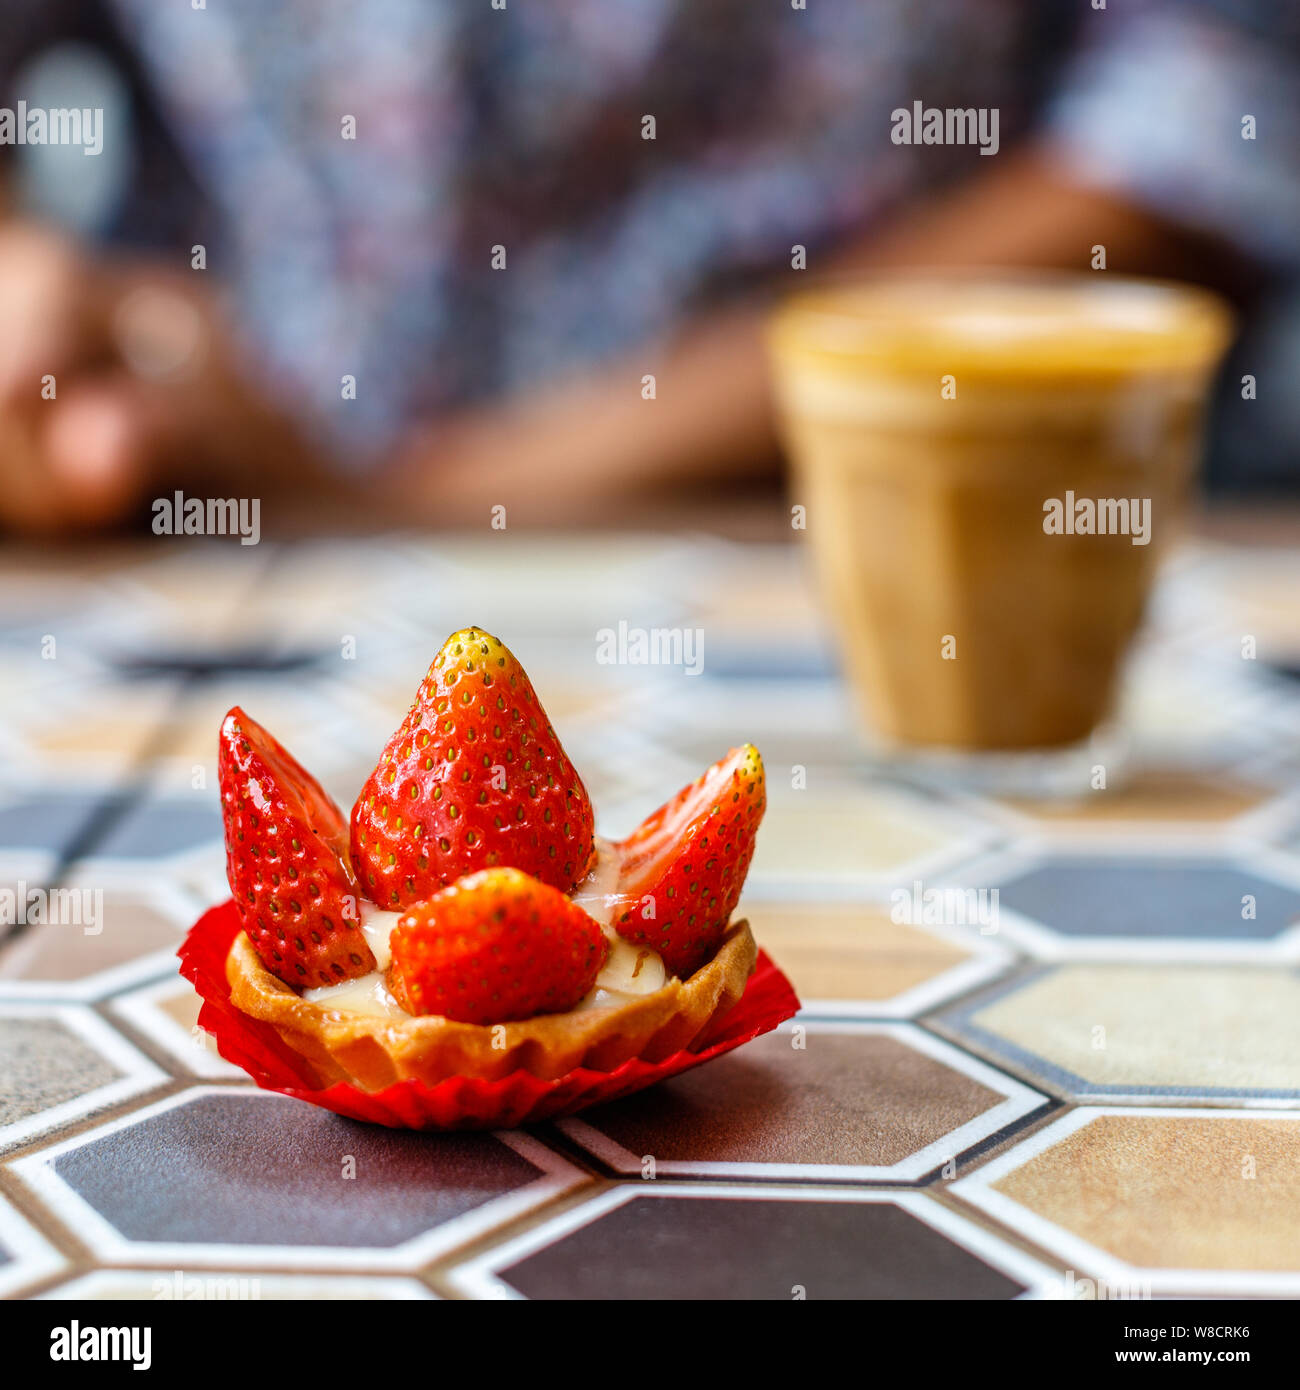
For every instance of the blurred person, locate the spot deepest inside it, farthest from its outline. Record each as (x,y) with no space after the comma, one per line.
(417,256)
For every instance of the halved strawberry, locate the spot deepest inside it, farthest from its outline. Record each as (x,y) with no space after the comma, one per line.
(495,946)
(684,866)
(474,778)
(287,861)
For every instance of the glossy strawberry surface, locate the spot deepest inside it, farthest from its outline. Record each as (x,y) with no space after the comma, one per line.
(474,778)
(287,860)
(495,946)
(683,868)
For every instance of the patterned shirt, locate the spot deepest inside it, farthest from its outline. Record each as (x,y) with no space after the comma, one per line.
(500,215)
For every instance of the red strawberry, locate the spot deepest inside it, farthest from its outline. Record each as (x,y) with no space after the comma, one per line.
(684,866)
(495,946)
(475,777)
(286,858)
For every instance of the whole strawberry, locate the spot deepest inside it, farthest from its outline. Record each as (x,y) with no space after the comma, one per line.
(474,778)
(684,866)
(495,946)
(286,859)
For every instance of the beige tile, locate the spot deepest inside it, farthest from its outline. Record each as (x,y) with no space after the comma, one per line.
(1205,1027)
(843,833)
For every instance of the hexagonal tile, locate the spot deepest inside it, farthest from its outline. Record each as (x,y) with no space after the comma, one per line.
(855,961)
(1169,1201)
(101,728)
(1179,1032)
(156,829)
(832,838)
(763,1243)
(59,1063)
(26,1257)
(851,1101)
(49,821)
(1169,799)
(1139,902)
(97,934)
(167,1013)
(234,1177)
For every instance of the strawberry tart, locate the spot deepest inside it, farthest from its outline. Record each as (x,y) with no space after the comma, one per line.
(468,921)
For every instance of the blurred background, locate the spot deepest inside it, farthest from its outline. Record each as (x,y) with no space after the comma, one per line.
(409,260)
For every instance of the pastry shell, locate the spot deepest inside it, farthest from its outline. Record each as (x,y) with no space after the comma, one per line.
(373,1053)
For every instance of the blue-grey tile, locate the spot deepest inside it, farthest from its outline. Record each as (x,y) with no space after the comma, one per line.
(1160,896)
(155,827)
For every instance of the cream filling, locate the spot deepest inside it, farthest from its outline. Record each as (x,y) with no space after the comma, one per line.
(367,994)
(629,971)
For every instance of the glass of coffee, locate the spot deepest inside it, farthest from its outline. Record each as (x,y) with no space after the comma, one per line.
(990,467)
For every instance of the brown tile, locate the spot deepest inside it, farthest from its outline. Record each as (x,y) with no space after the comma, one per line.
(133,926)
(752,1245)
(865,1100)
(1153,794)
(1173,1192)
(833,951)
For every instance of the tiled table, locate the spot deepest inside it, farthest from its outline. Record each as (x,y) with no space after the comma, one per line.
(1099,1088)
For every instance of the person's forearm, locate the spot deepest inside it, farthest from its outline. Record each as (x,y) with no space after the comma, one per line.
(1027,212)
(576,448)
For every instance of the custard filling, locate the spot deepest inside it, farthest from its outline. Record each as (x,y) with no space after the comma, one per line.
(628,972)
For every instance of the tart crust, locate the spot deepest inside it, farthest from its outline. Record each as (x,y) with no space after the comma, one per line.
(373,1053)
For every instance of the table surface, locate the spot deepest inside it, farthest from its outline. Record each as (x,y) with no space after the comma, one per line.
(1102,1091)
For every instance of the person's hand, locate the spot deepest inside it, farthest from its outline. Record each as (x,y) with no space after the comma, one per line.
(116,381)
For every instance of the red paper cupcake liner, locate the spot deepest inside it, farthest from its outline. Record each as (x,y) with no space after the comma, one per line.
(459,1102)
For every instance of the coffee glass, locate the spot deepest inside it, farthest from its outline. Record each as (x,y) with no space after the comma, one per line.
(990,467)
